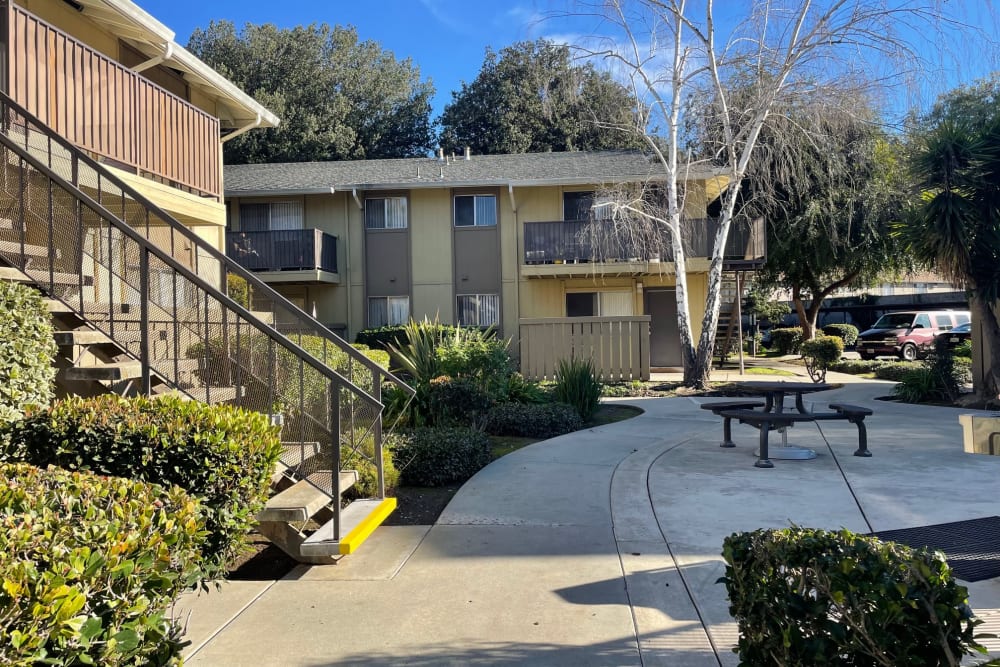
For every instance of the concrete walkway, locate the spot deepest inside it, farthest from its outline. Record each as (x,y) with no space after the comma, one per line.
(601,547)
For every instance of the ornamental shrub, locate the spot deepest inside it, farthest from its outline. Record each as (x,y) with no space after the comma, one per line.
(545,420)
(894,371)
(222,455)
(436,456)
(382,338)
(577,385)
(238,289)
(520,390)
(858,366)
(90,567)
(359,454)
(27,350)
(455,402)
(786,340)
(478,356)
(845,332)
(811,597)
(820,353)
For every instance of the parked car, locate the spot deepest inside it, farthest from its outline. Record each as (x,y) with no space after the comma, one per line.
(958,335)
(908,335)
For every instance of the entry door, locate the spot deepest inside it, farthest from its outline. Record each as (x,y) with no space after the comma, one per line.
(664,341)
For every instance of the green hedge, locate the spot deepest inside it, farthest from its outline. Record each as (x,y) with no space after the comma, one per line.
(222,455)
(359,454)
(545,420)
(787,340)
(435,456)
(858,366)
(27,350)
(810,597)
(845,332)
(90,567)
(455,401)
(897,370)
(382,337)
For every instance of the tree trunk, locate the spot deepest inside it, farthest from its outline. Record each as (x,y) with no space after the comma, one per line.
(987,315)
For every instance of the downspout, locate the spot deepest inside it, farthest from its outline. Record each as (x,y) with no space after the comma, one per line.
(168,52)
(517,269)
(347,255)
(246,128)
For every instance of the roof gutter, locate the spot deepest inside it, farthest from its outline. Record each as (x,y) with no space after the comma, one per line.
(153,62)
(246,128)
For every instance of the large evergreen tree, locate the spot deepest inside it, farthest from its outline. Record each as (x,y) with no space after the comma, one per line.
(338,98)
(532,97)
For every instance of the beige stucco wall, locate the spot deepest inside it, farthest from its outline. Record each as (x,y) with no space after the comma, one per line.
(432,290)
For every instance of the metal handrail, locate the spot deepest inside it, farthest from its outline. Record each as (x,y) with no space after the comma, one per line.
(188,275)
(231,266)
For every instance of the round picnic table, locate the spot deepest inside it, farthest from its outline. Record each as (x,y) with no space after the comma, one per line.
(774,401)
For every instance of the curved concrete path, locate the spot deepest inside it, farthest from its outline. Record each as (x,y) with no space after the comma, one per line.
(600,547)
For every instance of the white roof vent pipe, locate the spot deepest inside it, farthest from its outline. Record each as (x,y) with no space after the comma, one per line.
(441,153)
(468,153)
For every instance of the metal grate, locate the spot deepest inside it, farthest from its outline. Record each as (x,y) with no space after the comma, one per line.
(159,291)
(972,547)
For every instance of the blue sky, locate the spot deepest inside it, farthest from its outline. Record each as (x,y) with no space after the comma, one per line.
(447,38)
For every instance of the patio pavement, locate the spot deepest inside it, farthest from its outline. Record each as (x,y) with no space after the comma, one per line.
(601,547)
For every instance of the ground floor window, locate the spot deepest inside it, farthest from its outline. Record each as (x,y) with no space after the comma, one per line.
(388,310)
(599,304)
(478,310)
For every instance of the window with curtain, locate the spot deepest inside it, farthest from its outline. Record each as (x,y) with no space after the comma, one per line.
(599,304)
(478,310)
(388,310)
(271,216)
(475,211)
(385,213)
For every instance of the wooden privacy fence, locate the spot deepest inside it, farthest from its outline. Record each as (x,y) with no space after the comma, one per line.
(618,346)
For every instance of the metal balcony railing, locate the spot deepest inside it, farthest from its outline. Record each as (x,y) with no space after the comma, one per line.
(284,250)
(104,107)
(158,290)
(602,241)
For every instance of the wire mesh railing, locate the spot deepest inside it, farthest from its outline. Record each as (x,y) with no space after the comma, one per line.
(159,291)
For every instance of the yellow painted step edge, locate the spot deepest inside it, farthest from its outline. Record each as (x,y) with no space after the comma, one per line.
(356,537)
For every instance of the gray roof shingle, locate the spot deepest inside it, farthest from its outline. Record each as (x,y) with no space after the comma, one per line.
(479,170)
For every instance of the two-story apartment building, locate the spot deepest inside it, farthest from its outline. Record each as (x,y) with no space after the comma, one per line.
(511,241)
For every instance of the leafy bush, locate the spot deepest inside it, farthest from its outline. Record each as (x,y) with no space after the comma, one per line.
(455,401)
(964,350)
(359,455)
(786,340)
(27,350)
(820,353)
(476,355)
(577,385)
(963,370)
(918,385)
(383,338)
(520,390)
(846,332)
(895,371)
(90,567)
(810,597)
(857,367)
(546,420)
(622,389)
(441,455)
(238,289)
(222,455)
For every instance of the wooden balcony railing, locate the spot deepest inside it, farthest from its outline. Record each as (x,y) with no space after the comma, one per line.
(107,109)
(599,241)
(284,250)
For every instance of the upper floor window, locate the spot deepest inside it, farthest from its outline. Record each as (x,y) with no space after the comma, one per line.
(475,211)
(385,213)
(271,217)
(584,206)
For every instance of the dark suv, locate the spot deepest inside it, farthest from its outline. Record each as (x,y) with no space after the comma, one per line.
(909,334)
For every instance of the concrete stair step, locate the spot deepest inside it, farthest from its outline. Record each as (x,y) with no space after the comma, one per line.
(57,307)
(109,372)
(43,277)
(8,223)
(302,500)
(81,337)
(357,521)
(296,453)
(15,248)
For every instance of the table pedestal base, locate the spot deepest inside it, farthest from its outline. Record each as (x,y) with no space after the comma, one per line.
(790,453)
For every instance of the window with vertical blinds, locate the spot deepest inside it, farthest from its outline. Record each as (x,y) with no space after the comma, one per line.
(478,310)
(388,310)
(475,211)
(271,216)
(385,213)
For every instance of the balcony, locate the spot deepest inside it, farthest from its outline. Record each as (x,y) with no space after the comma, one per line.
(286,256)
(570,248)
(110,111)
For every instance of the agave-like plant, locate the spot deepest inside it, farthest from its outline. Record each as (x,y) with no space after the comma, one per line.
(418,357)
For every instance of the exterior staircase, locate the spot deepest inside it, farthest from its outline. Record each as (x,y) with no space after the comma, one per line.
(140,307)
(734,289)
